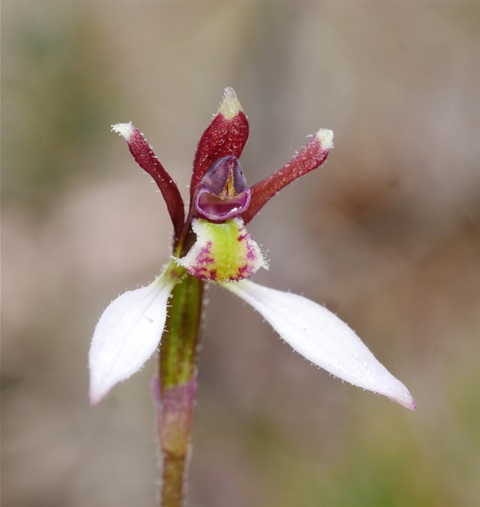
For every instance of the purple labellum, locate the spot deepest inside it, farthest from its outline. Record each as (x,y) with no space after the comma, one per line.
(222,193)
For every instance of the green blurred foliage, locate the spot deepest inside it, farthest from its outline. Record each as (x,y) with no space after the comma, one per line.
(60,96)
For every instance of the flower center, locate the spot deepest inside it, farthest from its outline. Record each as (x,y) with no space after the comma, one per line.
(222,193)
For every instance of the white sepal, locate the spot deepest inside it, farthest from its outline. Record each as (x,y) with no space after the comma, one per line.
(127,334)
(321,337)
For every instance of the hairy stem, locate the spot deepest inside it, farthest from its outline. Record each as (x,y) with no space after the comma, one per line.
(175,389)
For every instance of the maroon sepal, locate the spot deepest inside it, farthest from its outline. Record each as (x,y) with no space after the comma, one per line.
(148,161)
(312,155)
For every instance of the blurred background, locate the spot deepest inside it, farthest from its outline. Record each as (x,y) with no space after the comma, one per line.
(385,234)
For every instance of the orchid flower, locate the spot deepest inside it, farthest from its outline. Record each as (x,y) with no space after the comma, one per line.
(211,245)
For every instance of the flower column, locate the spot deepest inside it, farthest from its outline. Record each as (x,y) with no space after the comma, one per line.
(176,390)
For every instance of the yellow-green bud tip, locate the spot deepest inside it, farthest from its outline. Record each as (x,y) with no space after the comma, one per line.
(230,105)
(325,136)
(124,129)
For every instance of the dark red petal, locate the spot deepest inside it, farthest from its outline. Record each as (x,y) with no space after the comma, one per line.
(227,134)
(312,155)
(147,160)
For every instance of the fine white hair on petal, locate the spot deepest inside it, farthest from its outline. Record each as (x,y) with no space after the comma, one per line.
(126,335)
(321,337)
(124,129)
(325,136)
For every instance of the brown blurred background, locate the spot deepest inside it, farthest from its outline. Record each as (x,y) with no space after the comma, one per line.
(386,235)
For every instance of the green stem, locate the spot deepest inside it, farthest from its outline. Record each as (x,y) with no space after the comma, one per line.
(177,386)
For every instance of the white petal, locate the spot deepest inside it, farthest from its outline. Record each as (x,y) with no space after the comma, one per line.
(323,338)
(126,335)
